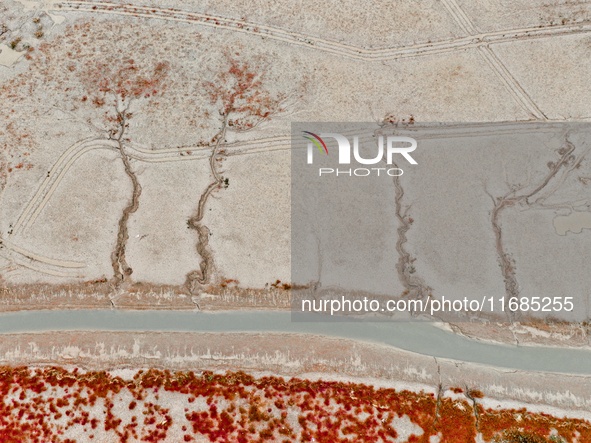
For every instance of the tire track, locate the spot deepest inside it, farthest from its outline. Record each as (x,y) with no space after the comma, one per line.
(32,266)
(257,146)
(68,158)
(460,17)
(511,84)
(53,179)
(42,259)
(57,165)
(472,40)
(57,173)
(39,263)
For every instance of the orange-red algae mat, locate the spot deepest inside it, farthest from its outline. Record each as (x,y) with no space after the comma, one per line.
(53,404)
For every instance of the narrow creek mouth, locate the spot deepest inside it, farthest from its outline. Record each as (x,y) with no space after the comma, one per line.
(418,337)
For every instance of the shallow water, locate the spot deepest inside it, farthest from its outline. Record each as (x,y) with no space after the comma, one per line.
(420,337)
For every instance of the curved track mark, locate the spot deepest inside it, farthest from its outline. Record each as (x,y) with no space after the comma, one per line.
(472,40)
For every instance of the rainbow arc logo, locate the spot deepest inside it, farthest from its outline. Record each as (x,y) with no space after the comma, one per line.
(317,141)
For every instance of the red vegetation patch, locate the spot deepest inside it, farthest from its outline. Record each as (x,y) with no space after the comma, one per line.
(243,99)
(54,405)
(125,80)
(475,393)
(497,423)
